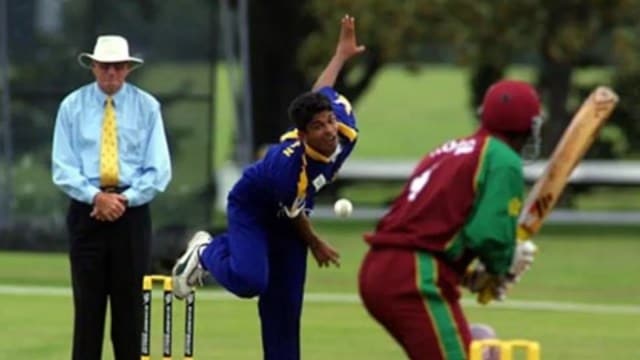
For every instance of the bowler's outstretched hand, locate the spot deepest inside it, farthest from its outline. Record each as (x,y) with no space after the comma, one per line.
(348,44)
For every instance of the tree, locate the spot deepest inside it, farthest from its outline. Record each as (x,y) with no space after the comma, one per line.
(489,36)
(288,50)
(277,30)
(625,39)
(555,37)
(292,41)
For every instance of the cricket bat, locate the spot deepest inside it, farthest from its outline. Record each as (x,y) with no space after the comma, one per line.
(571,148)
(573,145)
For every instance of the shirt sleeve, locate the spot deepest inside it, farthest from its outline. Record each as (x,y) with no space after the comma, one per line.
(344,113)
(289,179)
(491,230)
(65,163)
(155,172)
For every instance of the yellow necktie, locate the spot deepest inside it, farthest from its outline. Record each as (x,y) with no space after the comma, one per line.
(109,147)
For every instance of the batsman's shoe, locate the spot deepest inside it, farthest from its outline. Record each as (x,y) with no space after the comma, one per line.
(187,272)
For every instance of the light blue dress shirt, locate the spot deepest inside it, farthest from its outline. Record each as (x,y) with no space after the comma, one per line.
(143,154)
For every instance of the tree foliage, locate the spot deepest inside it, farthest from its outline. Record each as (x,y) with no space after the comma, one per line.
(625,42)
(555,37)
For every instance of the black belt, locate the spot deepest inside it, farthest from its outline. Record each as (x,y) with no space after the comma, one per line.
(114,189)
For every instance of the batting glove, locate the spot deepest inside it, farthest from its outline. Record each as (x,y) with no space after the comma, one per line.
(487,286)
(522,259)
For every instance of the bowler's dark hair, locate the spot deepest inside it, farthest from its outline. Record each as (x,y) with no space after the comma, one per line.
(305,106)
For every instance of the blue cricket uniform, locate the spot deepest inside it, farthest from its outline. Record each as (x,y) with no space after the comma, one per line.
(261,253)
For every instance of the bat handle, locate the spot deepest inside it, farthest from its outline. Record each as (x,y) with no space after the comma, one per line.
(522,233)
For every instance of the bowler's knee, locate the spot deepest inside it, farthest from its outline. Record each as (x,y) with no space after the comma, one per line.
(252,284)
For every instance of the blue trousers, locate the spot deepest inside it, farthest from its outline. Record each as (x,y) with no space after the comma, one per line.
(257,259)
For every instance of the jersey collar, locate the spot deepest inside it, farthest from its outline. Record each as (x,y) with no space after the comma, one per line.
(316,155)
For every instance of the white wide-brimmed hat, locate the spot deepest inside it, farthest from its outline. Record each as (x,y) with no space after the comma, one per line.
(110,49)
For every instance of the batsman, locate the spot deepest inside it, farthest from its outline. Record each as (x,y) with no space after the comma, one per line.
(460,205)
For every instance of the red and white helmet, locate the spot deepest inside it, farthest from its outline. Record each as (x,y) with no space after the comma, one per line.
(510,106)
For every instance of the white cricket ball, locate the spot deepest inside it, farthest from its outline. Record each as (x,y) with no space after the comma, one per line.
(343,208)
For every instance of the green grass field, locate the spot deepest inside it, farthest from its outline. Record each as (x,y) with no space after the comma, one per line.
(580,301)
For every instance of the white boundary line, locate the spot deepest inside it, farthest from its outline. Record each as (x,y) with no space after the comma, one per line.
(342,298)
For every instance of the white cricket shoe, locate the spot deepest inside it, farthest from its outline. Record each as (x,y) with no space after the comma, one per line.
(187,272)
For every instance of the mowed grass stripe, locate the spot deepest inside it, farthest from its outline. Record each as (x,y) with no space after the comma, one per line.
(343,298)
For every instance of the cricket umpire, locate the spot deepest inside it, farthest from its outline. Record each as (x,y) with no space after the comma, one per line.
(110,156)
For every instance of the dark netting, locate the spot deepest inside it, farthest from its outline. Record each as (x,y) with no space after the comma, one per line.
(43,39)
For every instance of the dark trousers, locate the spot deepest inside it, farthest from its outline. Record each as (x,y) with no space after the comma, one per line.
(253,259)
(108,261)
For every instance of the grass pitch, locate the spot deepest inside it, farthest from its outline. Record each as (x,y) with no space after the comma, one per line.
(580,301)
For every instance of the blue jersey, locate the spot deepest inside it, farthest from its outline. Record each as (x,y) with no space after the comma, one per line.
(286,180)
